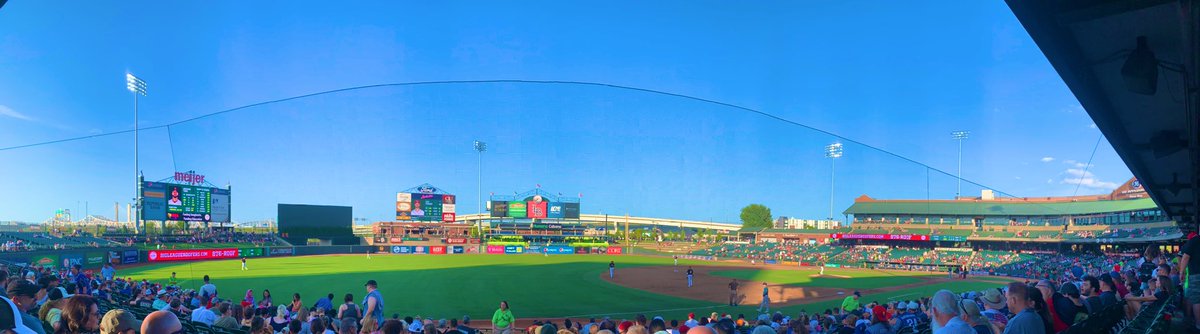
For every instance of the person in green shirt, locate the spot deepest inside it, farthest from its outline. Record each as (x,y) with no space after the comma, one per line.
(173,281)
(851,303)
(502,320)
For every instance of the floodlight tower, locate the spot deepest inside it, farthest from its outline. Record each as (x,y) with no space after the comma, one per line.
(833,152)
(959,136)
(137,87)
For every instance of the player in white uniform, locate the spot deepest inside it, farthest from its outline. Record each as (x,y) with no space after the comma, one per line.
(676,263)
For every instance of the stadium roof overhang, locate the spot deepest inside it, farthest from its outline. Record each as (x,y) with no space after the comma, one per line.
(1145,106)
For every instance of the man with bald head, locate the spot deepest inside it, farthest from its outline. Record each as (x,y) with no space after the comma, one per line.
(694,330)
(161,322)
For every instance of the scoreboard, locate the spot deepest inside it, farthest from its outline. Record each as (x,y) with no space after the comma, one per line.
(177,202)
(534,207)
(425,207)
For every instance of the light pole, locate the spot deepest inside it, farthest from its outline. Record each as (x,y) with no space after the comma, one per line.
(833,152)
(137,87)
(959,136)
(480,147)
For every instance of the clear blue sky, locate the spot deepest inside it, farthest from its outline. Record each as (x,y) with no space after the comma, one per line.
(898,76)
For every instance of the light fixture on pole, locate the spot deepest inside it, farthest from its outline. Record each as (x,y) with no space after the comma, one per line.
(833,152)
(479,147)
(959,136)
(137,87)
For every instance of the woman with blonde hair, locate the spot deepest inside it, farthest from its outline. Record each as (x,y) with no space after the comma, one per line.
(369,326)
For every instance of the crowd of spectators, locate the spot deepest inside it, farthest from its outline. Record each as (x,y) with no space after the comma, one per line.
(200,236)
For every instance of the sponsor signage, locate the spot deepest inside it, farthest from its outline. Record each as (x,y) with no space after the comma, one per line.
(947,238)
(514,249)
(69,260)
(554,210)
(499,209)
(456,240)
(495,249)
(93,260)
(559,250)
(285,251)
(909,237)
(770,261)
(396,240)
(129,256)
(437,249)
(613,250)
(250,252)
(456,249)
(402,249)
(191,254)
(581,250)
(420,250)
(516,209)
(45,260)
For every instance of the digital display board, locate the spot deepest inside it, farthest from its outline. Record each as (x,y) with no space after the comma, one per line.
(499,209)
(571,210)
(554,210)
(516,209)
(425,207)
(299,222)
(536,208)
(910,237)
(177,202)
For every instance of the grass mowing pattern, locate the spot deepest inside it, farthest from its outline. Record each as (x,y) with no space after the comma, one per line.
(455,285)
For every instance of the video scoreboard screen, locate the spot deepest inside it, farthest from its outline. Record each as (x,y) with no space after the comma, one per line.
(534,207)
(177,202)
(425,207)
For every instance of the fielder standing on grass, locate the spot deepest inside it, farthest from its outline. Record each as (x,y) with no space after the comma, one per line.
(243,263)
(689,276)
(676,263)
(612,269)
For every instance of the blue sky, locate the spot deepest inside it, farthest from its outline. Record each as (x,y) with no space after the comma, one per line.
(897,76)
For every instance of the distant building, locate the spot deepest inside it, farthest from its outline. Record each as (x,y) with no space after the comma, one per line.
(797,223)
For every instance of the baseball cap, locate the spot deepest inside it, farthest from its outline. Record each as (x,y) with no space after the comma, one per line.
(371,283)
(117,320)
(22,288)
(901,305)
(913,305)
(624,325)
(879,314)
(856,293)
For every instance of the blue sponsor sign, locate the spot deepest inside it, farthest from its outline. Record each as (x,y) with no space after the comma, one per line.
(456,249)
(420,250)
(560,250)
(70,260)
(129,256)
(402,249)
(514,249)
(771,261)
(533,250)
(555,210)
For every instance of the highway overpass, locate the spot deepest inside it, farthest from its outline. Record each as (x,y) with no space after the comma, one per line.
(634,222)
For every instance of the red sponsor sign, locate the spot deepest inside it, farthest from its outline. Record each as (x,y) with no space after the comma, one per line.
(908,237)
(437,249)
(447,216)
(614,250)
(456,240)
(192,254)
(493,249)
(536,209)
(397,240)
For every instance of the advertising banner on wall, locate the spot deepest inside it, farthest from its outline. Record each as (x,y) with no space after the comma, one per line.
(402,249)
(495,249)
(514,249)
(456,240)
(560,250)
(45,260)
(130,256)
(499,209)
(571,210)
(554,210)
(420,250)
(250,252)
(516,209)
(613,250)
(191,254)
(535,208)
(437,249)
(70,260)
(456,249)
(93,260)
(909,237)
(282,251)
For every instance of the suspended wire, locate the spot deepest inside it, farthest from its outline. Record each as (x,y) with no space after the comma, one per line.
(1087,167)
(171,141)
(516,81)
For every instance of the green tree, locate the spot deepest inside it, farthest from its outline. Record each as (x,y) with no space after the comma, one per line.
(756,216)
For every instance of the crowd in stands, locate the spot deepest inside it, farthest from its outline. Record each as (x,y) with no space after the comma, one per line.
(200,236)
(28,241)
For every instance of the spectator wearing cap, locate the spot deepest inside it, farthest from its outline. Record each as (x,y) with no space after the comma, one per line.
(1108,295)
(974,317)
(162,301)
(465,326)
(994,304)
(851,304)
(161,322)
(118,321)
(907,319)
(691,321)
(373,303)
(879,321)
(23,295)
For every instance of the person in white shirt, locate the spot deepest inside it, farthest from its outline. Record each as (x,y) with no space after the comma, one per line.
(203,314)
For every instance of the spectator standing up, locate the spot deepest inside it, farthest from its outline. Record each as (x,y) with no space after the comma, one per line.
(348,312)
(850,304)
(372,304)
(502,319)
(208,289)
(108,272)
(82,283)
(1026,319)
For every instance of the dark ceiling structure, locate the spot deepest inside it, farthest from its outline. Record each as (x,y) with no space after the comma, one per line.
(1133,67)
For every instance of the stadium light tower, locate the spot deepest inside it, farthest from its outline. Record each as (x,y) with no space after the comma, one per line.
(137,87)
(959,136)
(479,147)
(833,152)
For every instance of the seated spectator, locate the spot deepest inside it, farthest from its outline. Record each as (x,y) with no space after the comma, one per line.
(202,314)
(1022,302)
(119,321)
(280,320)
(226,318)
(161,322)
(80,314)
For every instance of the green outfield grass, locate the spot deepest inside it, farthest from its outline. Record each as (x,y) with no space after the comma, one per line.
(456,285)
